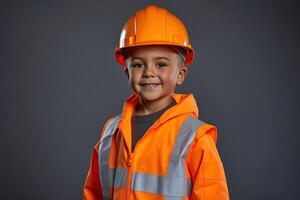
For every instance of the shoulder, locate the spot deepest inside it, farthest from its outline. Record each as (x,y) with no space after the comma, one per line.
(204,143)
(110,123)
(207,129)
(201,128)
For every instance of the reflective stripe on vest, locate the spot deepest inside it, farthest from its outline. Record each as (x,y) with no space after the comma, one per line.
(108,176)
(173,186)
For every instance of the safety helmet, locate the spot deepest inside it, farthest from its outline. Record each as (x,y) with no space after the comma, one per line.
(153,25)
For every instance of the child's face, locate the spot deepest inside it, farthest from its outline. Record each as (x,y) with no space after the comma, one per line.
(154,71)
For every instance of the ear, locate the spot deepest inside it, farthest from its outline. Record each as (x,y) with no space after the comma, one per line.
(181,74)
(126,72)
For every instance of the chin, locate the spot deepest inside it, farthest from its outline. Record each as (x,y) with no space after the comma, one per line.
(150,96)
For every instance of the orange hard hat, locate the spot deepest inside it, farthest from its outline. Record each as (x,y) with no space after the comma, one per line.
(153,25)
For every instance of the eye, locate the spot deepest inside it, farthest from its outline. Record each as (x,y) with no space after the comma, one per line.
(160,65)
(137,65)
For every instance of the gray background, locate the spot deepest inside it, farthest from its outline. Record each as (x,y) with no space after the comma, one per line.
(59,82)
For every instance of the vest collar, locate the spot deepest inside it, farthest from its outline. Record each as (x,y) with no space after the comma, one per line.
(186,104)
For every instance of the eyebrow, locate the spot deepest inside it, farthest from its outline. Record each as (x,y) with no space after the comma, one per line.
(156,58)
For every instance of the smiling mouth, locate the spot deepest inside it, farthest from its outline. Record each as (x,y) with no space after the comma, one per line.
(150,85)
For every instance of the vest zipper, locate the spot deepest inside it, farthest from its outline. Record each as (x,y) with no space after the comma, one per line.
(130,163)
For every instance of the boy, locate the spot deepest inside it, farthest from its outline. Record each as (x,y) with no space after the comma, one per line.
(156,148)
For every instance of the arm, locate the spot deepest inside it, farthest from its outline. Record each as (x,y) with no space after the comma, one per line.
(92,187)
(206,168)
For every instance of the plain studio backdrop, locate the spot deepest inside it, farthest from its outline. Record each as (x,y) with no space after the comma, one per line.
(59,83)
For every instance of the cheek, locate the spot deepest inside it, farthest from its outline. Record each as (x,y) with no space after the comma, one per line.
(169,77)
(134,75)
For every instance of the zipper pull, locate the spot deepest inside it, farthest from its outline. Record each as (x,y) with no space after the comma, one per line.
(129,163)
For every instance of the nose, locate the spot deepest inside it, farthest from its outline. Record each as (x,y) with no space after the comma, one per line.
(149,71)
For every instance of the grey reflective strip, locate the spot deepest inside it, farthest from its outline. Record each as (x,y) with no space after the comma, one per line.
(173,198)
(118,177)
(183,141)
(107,175)
(115,177)
(175,184)
(164,185)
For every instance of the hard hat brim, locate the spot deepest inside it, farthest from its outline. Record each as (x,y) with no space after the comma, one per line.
(189,57)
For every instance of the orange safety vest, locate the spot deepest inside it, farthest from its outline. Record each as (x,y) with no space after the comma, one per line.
(176,159)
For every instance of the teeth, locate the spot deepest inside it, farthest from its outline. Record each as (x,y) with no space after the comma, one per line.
(150,85)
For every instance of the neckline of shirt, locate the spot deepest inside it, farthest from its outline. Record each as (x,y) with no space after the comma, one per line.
(146,118)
